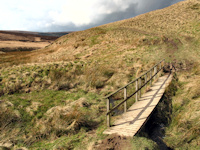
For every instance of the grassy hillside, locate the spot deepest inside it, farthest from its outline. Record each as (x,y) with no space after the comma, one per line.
(52,98)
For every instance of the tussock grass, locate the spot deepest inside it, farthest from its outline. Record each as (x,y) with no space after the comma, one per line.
(41,91)
(48,115)
(183,131)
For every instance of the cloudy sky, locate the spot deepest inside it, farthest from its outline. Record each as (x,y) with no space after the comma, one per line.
(71,15)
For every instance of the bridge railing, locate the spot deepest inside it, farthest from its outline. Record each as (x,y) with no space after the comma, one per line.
(140,82)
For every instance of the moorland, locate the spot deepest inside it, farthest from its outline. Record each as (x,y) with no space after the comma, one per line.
(53,97)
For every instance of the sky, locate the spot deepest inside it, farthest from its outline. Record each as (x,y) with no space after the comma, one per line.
(71,15)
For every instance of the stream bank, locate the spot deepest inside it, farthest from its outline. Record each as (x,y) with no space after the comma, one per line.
(161,117)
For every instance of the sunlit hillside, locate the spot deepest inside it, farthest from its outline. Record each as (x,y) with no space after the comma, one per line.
(53,98)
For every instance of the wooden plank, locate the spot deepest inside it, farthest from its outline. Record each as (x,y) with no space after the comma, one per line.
(131,122)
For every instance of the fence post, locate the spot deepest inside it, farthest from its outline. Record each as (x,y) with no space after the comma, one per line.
(125,97)
(136,88)
(108,109)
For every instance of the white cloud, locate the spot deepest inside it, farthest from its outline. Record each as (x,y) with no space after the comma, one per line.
(75,14)
(81,12)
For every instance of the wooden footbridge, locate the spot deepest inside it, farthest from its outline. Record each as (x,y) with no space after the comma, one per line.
(132,119)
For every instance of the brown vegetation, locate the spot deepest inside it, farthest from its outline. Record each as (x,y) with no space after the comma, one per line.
(90,64)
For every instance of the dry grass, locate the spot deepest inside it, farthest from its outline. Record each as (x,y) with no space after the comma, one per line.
(18,44)
(100,60)
(167,28)
(184,130)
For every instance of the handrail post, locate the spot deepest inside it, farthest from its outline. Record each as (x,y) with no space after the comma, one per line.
(136,88)
(155,68)
(108,109)
(151,77)
(160,65)
(160,72)
(163,63)
(146,81)
(140,80)
(125,97)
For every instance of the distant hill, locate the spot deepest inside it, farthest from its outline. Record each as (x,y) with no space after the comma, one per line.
(29,36)
(26,41)
(56,34)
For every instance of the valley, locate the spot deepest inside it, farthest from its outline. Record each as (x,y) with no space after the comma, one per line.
(52,89)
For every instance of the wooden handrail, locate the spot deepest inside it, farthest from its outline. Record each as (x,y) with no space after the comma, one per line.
(134,80)
(138,89)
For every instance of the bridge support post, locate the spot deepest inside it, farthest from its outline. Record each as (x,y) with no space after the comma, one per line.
(125,97)
(108,109)
(136,88)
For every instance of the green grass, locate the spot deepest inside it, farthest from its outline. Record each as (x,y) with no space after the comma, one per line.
(142,143)
(64,142)
(125,50)
(183,130)
(47,99)
(94,40)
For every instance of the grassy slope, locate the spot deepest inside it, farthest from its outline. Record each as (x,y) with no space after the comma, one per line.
(94,62)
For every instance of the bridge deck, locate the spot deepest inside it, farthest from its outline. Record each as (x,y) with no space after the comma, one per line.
(129,123)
